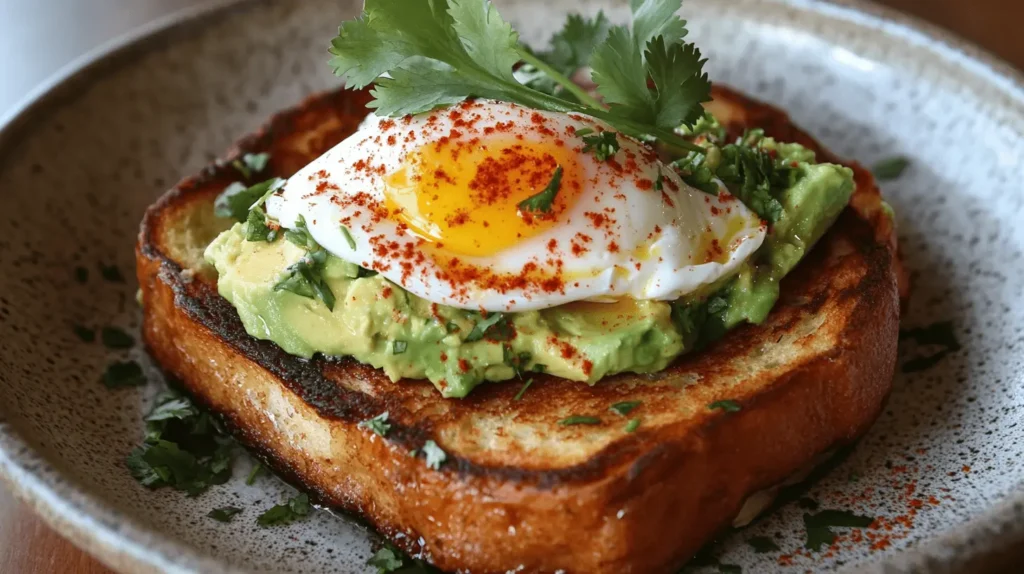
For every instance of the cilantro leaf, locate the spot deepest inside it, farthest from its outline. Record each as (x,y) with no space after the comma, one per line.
(677,73)
(256,228)
(571,48)
(522,390)
(386,559)
(305,278)
(421,55)
(434,455)
(544,200)
(257,471)
(224,513)
(632,425)
(294,508)
(377,424)
(482,327)
(236,199)
(819,526)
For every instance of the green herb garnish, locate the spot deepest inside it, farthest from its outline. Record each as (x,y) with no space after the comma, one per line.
(522,390)
(728,406)
(124,374)
(625,407)
(543,201)
(579,420)
(294,508)
(387,559)
(378,424)
(256,227)
(891,168)
(224,513)
(571,49)
(115,338)
(251,164)
(604,144)
(236,199)
(494,327)
(305,279)
(819,526)
(632,425)
(434,455)
(398,347)
(422,55)
(348,237)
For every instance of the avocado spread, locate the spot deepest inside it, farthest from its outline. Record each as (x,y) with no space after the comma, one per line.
(377,322)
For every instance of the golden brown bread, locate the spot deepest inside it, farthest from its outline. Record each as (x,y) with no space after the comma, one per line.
(519,491)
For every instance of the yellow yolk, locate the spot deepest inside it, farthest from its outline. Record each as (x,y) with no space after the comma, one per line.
(465,195)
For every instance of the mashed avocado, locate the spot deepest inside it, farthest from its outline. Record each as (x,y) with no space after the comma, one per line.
(377,322)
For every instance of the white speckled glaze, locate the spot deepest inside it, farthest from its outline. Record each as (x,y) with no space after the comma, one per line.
(78,167)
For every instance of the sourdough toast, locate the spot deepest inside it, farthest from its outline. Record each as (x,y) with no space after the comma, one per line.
(518,491)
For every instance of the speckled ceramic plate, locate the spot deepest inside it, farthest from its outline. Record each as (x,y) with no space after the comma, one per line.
(940,473)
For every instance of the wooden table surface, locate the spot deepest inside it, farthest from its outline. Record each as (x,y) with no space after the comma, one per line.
(28,546)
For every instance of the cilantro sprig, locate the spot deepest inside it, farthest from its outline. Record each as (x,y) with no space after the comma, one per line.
(425,54)
(543,201)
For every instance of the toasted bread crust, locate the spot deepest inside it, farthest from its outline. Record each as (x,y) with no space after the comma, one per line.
(572,499)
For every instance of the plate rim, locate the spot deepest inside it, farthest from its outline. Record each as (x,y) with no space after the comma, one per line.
(91,525)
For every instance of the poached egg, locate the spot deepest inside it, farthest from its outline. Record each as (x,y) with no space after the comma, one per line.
(433,203)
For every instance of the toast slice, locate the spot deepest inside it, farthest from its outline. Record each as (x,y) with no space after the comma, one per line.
(517,490)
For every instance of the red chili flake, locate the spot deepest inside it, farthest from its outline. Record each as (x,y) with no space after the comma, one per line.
(613,247)
(392,140)
(444,356)
(386,291)
(588,367)
(464,365)
(668,200)
(387,124)
(552,245)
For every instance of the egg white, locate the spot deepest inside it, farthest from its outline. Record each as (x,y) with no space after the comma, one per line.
(659,235)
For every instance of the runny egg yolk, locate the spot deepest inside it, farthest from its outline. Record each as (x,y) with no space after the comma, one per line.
(466,194)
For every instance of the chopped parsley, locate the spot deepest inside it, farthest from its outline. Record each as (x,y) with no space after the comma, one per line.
(184,448)
(305,279)
(256,227)
(522,390)
(422,55)
(632,425)
(434,455)
(124,374)
(348,237)
(224,513)
(115,338)
(251,164)
(386,559)
(890,168)
(603,145)
(819,526)
(625,407)
(378,424)
(236,199)
(111,273)
(493,327)
(293,509)
(543,201)
(85,334)
(398,347)
(727,405)
(579,420)
(763,544)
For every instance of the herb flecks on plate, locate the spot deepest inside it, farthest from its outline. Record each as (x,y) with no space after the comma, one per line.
(421,55)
